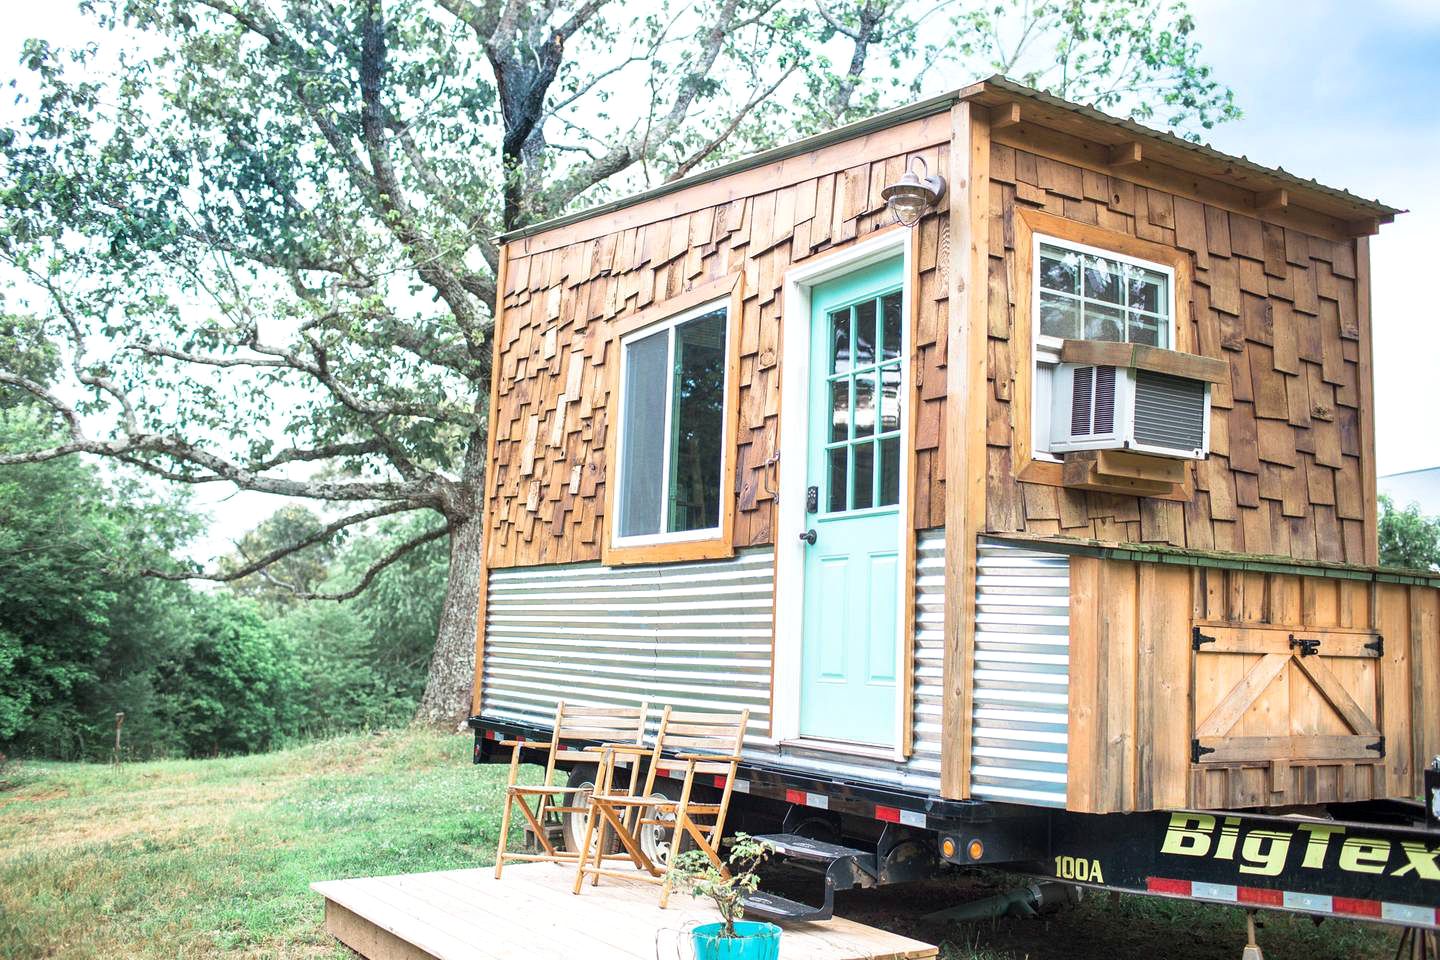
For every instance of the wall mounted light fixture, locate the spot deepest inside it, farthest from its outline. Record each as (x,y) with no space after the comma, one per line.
(914,194)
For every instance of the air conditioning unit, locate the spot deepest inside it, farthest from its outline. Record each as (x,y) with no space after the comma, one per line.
(1099,407)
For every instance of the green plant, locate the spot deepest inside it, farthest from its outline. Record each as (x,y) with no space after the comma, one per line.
(694,872)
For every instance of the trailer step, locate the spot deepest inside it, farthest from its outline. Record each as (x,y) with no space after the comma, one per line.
(772,906)
(795,847)
(842,867)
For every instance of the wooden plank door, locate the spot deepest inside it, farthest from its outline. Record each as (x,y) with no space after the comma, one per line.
(1286,694)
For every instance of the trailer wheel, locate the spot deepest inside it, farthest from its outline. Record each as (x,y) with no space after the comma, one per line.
(572,826)
(655,838)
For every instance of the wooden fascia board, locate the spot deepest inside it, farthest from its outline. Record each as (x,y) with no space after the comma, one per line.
(965,375)
(1365,375)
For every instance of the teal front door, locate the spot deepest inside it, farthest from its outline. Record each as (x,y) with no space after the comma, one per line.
(854,461)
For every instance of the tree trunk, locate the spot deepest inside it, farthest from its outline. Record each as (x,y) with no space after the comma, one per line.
(446,700)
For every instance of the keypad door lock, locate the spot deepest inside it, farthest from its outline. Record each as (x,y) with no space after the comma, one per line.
(812,499)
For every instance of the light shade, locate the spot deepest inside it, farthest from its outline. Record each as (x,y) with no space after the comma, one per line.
(914,193)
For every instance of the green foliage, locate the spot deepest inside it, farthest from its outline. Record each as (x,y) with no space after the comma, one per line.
(1408,538)
(54,592)
(694,871)
(234,689)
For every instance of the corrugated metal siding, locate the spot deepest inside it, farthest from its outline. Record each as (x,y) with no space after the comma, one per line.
(1021,678)
(692,635)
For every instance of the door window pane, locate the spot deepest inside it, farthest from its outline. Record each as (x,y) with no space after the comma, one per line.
(840,340)
(840,409)
(865,404)
(643,459)
(889,473)
(889,398)
(865,333)
(698,426)
(839,484)
(864,476)
(891,335)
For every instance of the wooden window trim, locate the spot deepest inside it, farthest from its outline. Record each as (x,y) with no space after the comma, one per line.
(1027,223)
(709,548)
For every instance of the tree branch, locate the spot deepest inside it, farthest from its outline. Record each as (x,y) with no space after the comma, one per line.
(254,566)
(377,567)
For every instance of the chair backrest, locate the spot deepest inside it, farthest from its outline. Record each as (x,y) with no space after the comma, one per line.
(577,724)
(721,734)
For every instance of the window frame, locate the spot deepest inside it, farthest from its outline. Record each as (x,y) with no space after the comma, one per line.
(1045,349)
(709,542)
(1028,464)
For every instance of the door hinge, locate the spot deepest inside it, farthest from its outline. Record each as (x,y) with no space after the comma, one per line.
(1378,746)
(1197,638)
(1308,648)
(1197,751)
(1378,645)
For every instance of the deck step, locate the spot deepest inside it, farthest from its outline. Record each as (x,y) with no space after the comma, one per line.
(772,906)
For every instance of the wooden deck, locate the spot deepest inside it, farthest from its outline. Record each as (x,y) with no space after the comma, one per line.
(531,913)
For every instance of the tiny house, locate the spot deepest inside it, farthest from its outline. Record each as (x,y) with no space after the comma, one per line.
(1049,483)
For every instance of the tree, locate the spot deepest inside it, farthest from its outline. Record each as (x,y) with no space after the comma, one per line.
(262,234)
(1408,538)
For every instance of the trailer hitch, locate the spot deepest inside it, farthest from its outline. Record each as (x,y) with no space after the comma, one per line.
(1308,648)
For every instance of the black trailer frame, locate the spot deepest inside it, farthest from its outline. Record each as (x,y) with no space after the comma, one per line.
(1376,861)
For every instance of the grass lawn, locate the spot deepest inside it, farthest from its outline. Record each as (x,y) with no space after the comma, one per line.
(210,858)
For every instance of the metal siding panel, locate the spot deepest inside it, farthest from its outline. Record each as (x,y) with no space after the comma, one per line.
(1021,675)
(696,635)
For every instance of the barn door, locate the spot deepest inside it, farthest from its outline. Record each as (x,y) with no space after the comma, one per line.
(1285,694)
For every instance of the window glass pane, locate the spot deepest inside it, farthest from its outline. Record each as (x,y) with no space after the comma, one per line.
(1145,329)
(839,458)
(889,472)
(840,409)
(1104,323)
(864,333)
(1059,269)
(840,341)
(1146,289)
(889,398)
(642,461)
(698,423)
(865,404)
(1059,316)
(864,476)
(1102,280)
(891,338)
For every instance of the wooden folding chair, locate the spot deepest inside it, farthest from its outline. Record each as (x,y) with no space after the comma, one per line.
(576,728)
(710,745)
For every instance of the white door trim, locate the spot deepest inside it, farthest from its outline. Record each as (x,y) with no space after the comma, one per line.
(790,506)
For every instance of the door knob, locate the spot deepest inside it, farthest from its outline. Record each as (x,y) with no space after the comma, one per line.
(809,537)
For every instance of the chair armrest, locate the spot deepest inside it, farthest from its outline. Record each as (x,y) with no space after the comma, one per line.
(631,749)
(527,744)
(708,757)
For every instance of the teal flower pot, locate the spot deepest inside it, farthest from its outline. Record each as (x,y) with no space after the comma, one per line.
(756,941)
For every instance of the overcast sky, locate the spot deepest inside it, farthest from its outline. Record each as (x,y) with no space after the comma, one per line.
(1344,92)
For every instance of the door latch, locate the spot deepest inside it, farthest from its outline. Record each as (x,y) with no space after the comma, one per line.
(809,537)
(812,499)
(1308,648)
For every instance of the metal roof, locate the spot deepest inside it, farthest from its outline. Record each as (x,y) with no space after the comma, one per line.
(991,90)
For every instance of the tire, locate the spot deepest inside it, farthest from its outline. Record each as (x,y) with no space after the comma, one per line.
(655,840)
(572,827)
